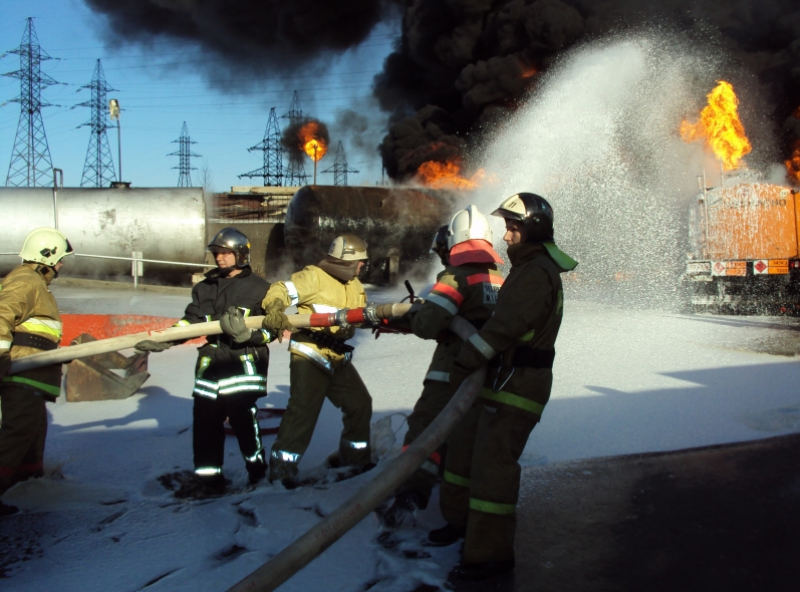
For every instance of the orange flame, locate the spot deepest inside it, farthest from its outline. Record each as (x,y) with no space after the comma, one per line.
(447,175)
(720,127)
(310,140)
(529,72)
(793,164)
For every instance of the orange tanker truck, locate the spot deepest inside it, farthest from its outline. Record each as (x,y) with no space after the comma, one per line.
(745,253)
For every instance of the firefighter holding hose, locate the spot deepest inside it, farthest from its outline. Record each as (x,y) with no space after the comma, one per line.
(321,362)
(468,287)
(481,481)
(29,323)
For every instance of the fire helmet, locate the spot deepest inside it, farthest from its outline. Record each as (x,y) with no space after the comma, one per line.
(533,211)
(45,245)
(234,241)
(348,247)
(466,225)
(439,245)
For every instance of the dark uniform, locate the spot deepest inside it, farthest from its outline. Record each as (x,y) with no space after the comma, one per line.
(29,324)
(467,290)
(481,481)
(229,377)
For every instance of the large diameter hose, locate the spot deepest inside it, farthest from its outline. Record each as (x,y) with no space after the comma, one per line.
(305,549)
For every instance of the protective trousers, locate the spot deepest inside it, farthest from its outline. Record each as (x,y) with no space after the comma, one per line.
(310,384)
(22,435)
(435,396)
(208,432)
(480,487)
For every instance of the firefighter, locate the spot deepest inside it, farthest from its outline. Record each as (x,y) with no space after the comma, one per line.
(231,369)
(468,287)
(29,323)
(321,362)
(480,487)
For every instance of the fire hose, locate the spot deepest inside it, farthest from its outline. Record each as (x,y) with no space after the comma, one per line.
(306,548)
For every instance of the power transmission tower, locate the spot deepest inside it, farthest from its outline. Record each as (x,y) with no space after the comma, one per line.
(98,169)
(272,171)
(30,165)
(296,171)
(339,168)
(184,155)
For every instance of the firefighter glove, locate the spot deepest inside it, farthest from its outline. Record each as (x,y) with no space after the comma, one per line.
(275,320)
(5,363)
(232,323)
(148,345)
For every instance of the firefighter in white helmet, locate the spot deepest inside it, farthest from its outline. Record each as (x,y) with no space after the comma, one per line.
(29,323)
(467,287)
(321,362)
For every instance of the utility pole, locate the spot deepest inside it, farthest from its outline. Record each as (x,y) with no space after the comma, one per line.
(31,165)
(184,155)
(296,171)
(272,171)
(98,168)
(339,168)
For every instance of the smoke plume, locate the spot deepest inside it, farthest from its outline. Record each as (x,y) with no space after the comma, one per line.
(291,137)
(463,66)
(247,37)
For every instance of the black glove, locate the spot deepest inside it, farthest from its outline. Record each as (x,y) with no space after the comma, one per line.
(148,345)
(232,323)
(275,320)
(458,374)
(5,363)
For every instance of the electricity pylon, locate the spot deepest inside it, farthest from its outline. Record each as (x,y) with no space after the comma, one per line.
(98,168)
(296,171)
(272,171)
(339,168)
(31,165)
(184,155)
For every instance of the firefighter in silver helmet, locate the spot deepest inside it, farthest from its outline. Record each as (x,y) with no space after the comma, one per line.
(231,369)
(321,362)
(29,323)
(480,487)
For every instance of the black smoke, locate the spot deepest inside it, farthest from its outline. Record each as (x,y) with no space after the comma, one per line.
(246,37)
(461,65)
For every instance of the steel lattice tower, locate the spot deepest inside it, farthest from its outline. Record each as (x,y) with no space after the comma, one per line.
(31,165)
(272,171)
(184,155)
(339,168)
(98,169)
(296,171)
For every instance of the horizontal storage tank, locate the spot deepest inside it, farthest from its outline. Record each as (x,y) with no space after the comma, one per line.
(398,224)
(162,223)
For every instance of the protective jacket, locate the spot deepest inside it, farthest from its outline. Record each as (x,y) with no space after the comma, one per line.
(313,290)
(466,290)
(518,341)
(224,367)
(30,323)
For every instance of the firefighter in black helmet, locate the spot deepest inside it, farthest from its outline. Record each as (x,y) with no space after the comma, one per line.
(231,369)
(480,487)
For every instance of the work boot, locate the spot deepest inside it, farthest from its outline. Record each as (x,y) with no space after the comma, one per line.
(404,504)
(447,535)
(7,509)
(481,571)
(256,472)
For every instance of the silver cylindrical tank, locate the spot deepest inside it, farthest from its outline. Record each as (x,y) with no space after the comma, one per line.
(162,223)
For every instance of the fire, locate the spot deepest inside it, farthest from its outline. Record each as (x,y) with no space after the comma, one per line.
(447,175)
(793,164)
(311,141)
(720,127)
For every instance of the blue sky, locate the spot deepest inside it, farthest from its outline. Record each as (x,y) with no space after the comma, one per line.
(159,89)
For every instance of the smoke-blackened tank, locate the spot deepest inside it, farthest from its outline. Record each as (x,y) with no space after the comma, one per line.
(398,224)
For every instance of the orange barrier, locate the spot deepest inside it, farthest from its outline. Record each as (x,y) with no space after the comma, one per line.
(105,326)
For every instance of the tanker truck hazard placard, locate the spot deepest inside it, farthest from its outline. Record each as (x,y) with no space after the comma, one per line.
(719,268)
(771,267)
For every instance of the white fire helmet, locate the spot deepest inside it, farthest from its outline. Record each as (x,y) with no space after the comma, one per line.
(348,247)
(45,245)
(466,225)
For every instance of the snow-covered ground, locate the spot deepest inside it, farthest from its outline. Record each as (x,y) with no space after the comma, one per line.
(625,381)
